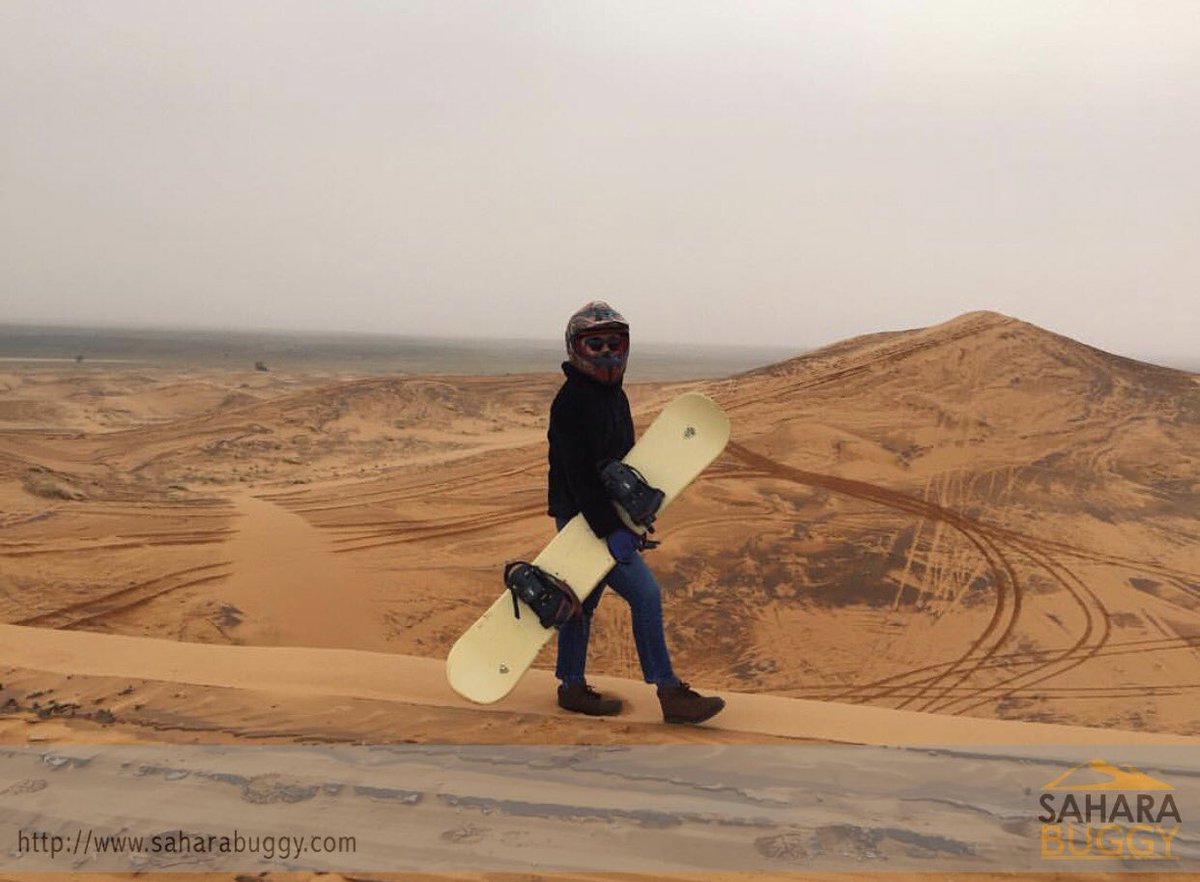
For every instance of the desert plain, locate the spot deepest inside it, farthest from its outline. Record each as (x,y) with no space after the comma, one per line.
(979,532)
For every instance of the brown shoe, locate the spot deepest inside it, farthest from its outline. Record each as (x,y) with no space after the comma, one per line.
(681,705)
(583,699)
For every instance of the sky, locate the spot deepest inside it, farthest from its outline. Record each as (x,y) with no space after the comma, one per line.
(775,173)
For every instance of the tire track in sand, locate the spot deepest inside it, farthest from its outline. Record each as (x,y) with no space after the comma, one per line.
(940,690)
(1037,657)
(1095,635)
(1006,610)
(95,609)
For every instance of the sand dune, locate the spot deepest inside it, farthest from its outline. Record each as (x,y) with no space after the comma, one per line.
(912,534)
(976,533)
(975,520)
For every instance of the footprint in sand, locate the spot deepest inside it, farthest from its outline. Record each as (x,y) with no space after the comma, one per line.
(782,847)
(267,789)
(467,835)
(27,785)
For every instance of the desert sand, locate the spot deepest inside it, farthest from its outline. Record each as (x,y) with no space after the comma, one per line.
(974,533)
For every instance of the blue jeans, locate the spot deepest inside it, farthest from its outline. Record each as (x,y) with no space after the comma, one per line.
(634,582)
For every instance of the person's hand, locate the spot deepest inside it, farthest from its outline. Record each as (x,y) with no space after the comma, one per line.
(623,544)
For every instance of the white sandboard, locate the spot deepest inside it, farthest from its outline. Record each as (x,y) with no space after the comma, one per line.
(492,655)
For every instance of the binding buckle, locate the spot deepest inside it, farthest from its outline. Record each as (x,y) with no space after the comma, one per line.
(550,598)
(627,487)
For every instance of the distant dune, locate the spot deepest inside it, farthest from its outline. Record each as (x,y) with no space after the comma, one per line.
(334,354)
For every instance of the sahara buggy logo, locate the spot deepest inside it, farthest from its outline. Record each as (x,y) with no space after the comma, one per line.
(1099,811)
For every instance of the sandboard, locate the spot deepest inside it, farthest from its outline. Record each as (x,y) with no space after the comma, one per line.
(492,655)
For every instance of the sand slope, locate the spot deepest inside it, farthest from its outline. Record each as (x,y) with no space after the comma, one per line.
(409,680)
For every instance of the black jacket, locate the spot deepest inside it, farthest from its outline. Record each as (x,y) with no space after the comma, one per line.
(590,424)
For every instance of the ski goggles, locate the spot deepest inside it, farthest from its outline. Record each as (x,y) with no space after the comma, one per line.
(597,343)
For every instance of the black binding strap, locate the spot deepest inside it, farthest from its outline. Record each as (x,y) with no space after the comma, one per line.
(627,487)
(550,598)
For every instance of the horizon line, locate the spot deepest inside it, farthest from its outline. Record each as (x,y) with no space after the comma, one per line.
(380,335)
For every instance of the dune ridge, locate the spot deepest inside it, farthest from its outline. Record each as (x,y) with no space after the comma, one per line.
(400,679)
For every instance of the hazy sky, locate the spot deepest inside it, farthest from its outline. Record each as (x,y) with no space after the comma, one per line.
(777,172)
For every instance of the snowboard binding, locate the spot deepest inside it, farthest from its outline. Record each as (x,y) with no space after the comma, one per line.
(626,487)
(551,599)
